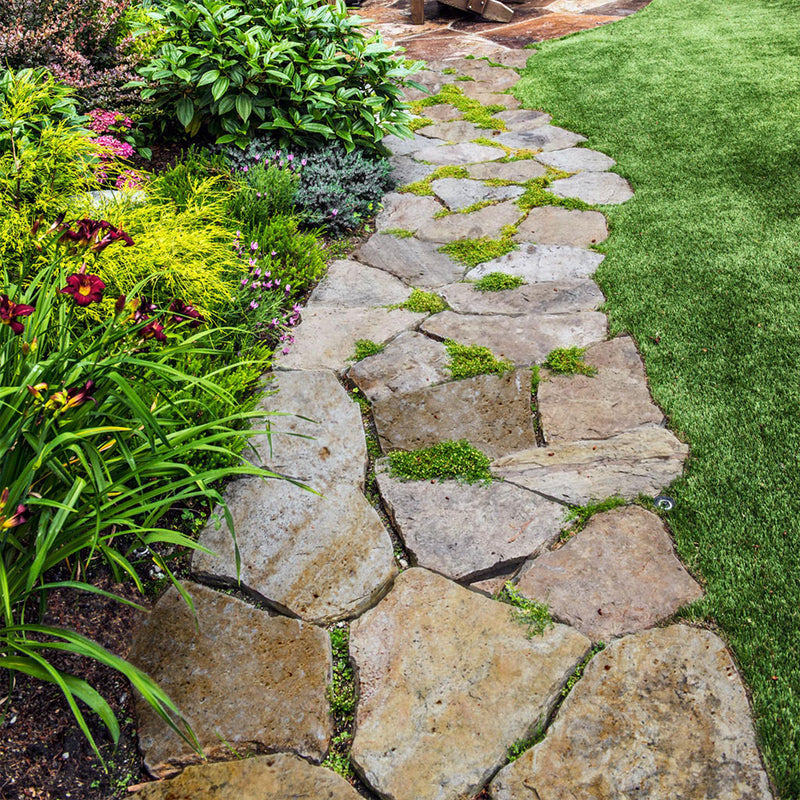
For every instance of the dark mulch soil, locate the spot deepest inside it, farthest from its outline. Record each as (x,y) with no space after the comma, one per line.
(43,753)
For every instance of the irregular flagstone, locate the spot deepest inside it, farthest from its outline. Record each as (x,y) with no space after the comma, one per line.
(554,225)
(614,400)
(406,147)
(491,586)
(321,558)
(508,101)
(464,531)
(542,262)
(274,777)
(531,298)
(542,137)
(465,153)
(595,188)
(458,193)
(523,119)
(487,222)
(660,714)
(405,170)
(415,262)
(489,78)
(619,575)
(448,681)
(327,335)
(516,59)
(238,675)
(316,433)
(493,412)
(442,113)
(524,340)
(577,159)
(480,89)
(639,462)
(405,212)
(354,285)
(518,171)
(409,362)
(460,131)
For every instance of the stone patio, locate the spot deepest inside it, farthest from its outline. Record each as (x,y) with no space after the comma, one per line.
(449,678)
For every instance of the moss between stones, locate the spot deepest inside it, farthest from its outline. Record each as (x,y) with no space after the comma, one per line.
(457,460)
(579,516)
(467,361)
(569,361)
(421,302)
(423,187)
(366,348)
(536,194)
(472,110)
(342,698)
(534,616)
(498,282)
(472,252)
(400,233)
(419,122)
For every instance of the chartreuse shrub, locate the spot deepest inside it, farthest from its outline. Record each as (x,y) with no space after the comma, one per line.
(198,177)
(498,282)
(307,72)
(467,361)
(458,460)
(99,431)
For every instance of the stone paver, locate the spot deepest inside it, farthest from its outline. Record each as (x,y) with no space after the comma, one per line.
(492,412)
(458,193)
(577,159)
(595,188)
(517,171)
(542,137)
(442,113)
(659,714)
(487,222)
(453,154)
(643,461)
(524,340)
(316,434)
(327,335)
(415,262)
(353,285)
(619,575)
(319,557)
(554,225)
(465,531)
(614,400)
(239,676)
(529,299)
(405,212)
(459,131)
(405,170)
(448,681)
(409,362)
(273,777)
(408,147)
(523,119)
(537,262)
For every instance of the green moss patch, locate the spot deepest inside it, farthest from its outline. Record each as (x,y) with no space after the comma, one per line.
(456,460)
(569,361)
(399,233)
(422,188)
(342,699)
(536,194)
(534,616)
(420,122)
(472,252)
(472,110)
(366,348)
(422,302)
(497,282)
(467,361)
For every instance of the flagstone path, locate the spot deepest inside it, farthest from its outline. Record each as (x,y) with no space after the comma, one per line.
(449,679)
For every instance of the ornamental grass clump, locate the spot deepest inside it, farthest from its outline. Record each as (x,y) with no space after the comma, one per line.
(101,431)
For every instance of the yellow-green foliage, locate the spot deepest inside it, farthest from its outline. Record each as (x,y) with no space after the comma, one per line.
(186,254)
(472,110)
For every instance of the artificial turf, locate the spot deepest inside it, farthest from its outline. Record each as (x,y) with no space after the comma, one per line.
(699,102)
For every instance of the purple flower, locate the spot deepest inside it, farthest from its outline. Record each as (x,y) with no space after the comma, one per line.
(253,305)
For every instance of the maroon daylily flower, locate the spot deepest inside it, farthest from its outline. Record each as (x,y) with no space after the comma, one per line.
(20,516)
(94,234)
(77,396)
(10,311)
(182,311)
(85,289)
(154,330)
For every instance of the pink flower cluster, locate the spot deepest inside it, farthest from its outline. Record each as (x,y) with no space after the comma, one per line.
(117,148)
(104,121)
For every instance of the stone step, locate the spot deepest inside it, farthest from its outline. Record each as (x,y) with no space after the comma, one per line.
(492,412)
(240,676)
(351,284)
(414,262)
(517,171)
(524,340)
(464,532)
(540,137)
(405,212)
(487,222)
(595,188)
(577,159)
(319,557)
(627,465)
(660,714)
(459,193)
(448,681)
(614,400)
(554,225)
(535,263)
(619,575)
(454,154)
(275,777)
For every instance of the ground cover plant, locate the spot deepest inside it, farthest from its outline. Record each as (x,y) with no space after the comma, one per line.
(467,361)
(697,102)
(458,460)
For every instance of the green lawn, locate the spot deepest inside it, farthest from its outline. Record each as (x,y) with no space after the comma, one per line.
(699,102)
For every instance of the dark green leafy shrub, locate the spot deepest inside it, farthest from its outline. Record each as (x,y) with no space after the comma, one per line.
(458,460)
(306,71)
